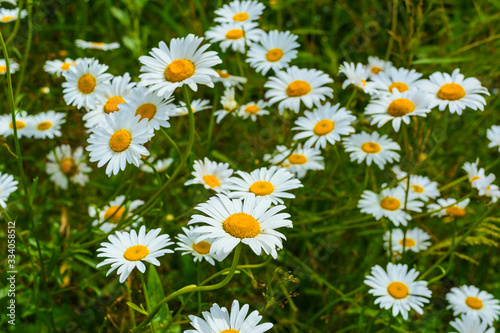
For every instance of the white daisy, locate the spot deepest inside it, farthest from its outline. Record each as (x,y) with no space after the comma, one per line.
(229,105)
(390,203)
(455,92)
(24,124)
(356,74)
(220,320)
(14,66)
(214,176)
(63,164)
(275,51)
(477,177)
(251,221)
(9,15)
(324,124)
(57,67)
(201,250)
(273,183)
(197,105)
(116,211)
(416,240)
(421,187)
(449,207)
(239,11)
(7,186)
(85,82)
(235,35)
(471,324)
(253,110)
(96,45)
(160,165)
(298,161)
(229,80)
(493,135)
(48,124)
(472,301)
(377,66)
(373,148)
(119,140)
(293,85)
(128,250)
(398,289)
(184,62)
(400,79)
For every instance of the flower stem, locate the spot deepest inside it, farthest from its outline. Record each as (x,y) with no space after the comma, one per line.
(146,297)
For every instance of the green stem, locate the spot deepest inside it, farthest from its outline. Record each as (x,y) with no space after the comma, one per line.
(146,297)
(27,51)
(129,298)
(171,141)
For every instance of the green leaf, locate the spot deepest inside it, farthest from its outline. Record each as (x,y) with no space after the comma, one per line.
(439,60)
(137,308)
(156,294)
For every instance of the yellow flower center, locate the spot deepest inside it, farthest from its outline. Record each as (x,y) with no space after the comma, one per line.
(65,66)
(147,110)
(297,159)
(69,167)
(97,44)
(235,34)
(241,17)
(376,69)
(456,211)
(400,107)
(451,92)
(44,125)
(120,140)
(274,55)
(19,124)
(262,187)
(8,18)
(179,70)
(398,290)
(222,74)
(86,84)
(474,178)
(390,203)
(474,303)
(202,247)
(363,82)
(136,253)
(417,188)
(3,69)
(230,331)
(112,104)
(370,147)
(408,242)
(252,109)
(114,213)
(323,127)
(211,181)
(402,87)
(298,88)
(241,225)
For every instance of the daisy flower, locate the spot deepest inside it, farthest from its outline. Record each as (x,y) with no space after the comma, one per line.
(356,74)
(298,161)
(416,240)
(214,176)
(493,135)
(7,186)
(119,140)
(197,105)
(324,124)
(201,250)
(400,79)
(127,251)
(377,66)
(234,35)
(229,104)
(96,45)
(275,51)
(471,324)
(14,66)
(57,67)
(397,288)
(477,177)
(160,165)
(421,187)
(390,203)
(470,300)
(372,148)
(250,221)
(48,124)
(273,183)
(449,207)
(455,92)
(85,82)
(239,11)
(253,110)
(65,165)
(184,62)
(293,85)
(116,211)
(24,124)
(229,80)
(9,15)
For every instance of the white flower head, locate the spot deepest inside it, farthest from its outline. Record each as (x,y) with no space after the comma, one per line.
(187,245)
(236,36)
(64,165)
(416,240)
(239,11)
(214,176)
(372,148)
(472,301)
(297,161)
(7,186)
(96,45)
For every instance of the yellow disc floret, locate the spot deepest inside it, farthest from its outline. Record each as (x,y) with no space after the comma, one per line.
(370,147)
(402,87)
(19,124)
(400,107)
(408,242)
(456,211)
(86,84)
(417,188)
(474,303)
(298,88)
(235,34)
(120,140)
(252,109)
(202,247)
(68,166)
(44,125)
(179,70)
(323,127)
(147,110)
(390,203)
(136,253)
(240,17)
(398,290)
(451,92)
(262,187)
(241,225)
(211,181)
(112,104)
(274,55)
(297,159)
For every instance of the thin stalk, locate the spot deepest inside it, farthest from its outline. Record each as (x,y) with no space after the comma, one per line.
(172,142)
(129,298)
(27,51)
(146,297)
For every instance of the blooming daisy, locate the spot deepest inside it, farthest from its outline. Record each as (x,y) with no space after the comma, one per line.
(47,124)
(235,35)
(373,148)
(377,66)
(127,251)
(196,106)
(396,288)
(273,183)
(201,250)
(324,124)
(390,203)
(253,109)
(239,11)
(275,51)
(229,104)
(57,67)
(356,74)
(7,186)
(455,92)
(229,80)
(220,320)
(293,85)
(416,240)
(96,45)
(63,164)
(298,161)
(85,82)
(24,124)
(477,177)
(14,66)
(400,79)
(184,62)
(212,175)
(250,221)
(119,140)
(493,135)
(421,187)
(160,165)
(116,211)
(471,324)
(472,301)
(449,207)
(9,15)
